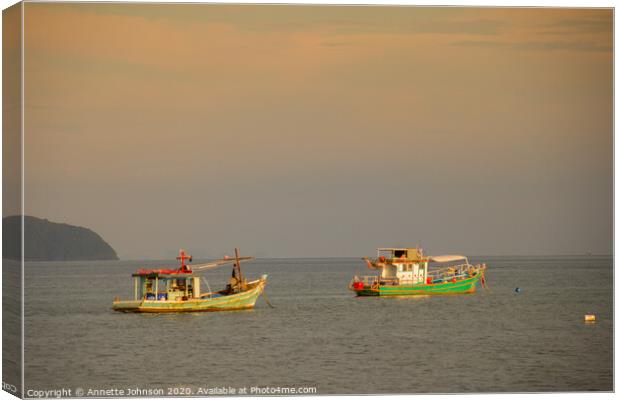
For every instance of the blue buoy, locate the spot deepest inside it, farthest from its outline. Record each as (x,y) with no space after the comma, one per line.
(518,290)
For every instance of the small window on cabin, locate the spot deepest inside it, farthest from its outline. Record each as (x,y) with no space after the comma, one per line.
(400,253)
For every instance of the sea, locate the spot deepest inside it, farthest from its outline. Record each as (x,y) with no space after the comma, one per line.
(317,337)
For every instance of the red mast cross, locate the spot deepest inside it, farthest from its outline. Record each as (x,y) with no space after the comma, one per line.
(182,257)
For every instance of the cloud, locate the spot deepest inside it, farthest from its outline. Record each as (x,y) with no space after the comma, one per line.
(537,46)
(599,24)
(330,20)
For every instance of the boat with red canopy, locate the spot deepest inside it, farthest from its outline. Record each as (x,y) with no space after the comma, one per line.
(179,290)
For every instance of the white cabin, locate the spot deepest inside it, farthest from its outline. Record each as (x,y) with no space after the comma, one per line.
(407,265)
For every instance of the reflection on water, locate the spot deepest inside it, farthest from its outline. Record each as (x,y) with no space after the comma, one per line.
(320,335)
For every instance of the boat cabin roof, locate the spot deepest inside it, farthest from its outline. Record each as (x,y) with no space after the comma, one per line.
(448,258)
(397,248)
(410,254)
(162,273)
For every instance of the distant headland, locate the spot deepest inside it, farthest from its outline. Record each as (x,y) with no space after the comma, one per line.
(50,241)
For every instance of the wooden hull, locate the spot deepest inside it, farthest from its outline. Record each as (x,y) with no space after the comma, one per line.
(463,286)
(240,301)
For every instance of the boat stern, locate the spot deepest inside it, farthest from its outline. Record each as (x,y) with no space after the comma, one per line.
(364,286)
(126,305)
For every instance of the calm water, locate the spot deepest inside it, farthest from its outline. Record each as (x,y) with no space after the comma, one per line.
(320,335)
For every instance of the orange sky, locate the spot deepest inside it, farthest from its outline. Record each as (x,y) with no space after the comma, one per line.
(321,130)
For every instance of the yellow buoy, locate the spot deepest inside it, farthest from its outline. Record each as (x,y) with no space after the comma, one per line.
(590,318)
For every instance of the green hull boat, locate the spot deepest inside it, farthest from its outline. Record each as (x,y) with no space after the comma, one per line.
(406,272)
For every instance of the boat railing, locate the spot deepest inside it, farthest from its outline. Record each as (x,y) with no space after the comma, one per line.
(371,280)
(455,271)
(367,280)
(460,271)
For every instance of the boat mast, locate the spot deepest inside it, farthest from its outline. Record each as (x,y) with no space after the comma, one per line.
(238,266)
(182,257)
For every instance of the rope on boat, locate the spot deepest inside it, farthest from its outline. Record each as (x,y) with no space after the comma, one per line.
(266,299)
(208,287)
(484,283)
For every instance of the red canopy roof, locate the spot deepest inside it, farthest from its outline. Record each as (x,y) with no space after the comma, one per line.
(143,271)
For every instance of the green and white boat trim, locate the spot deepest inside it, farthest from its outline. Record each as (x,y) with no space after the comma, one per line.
(406,272)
